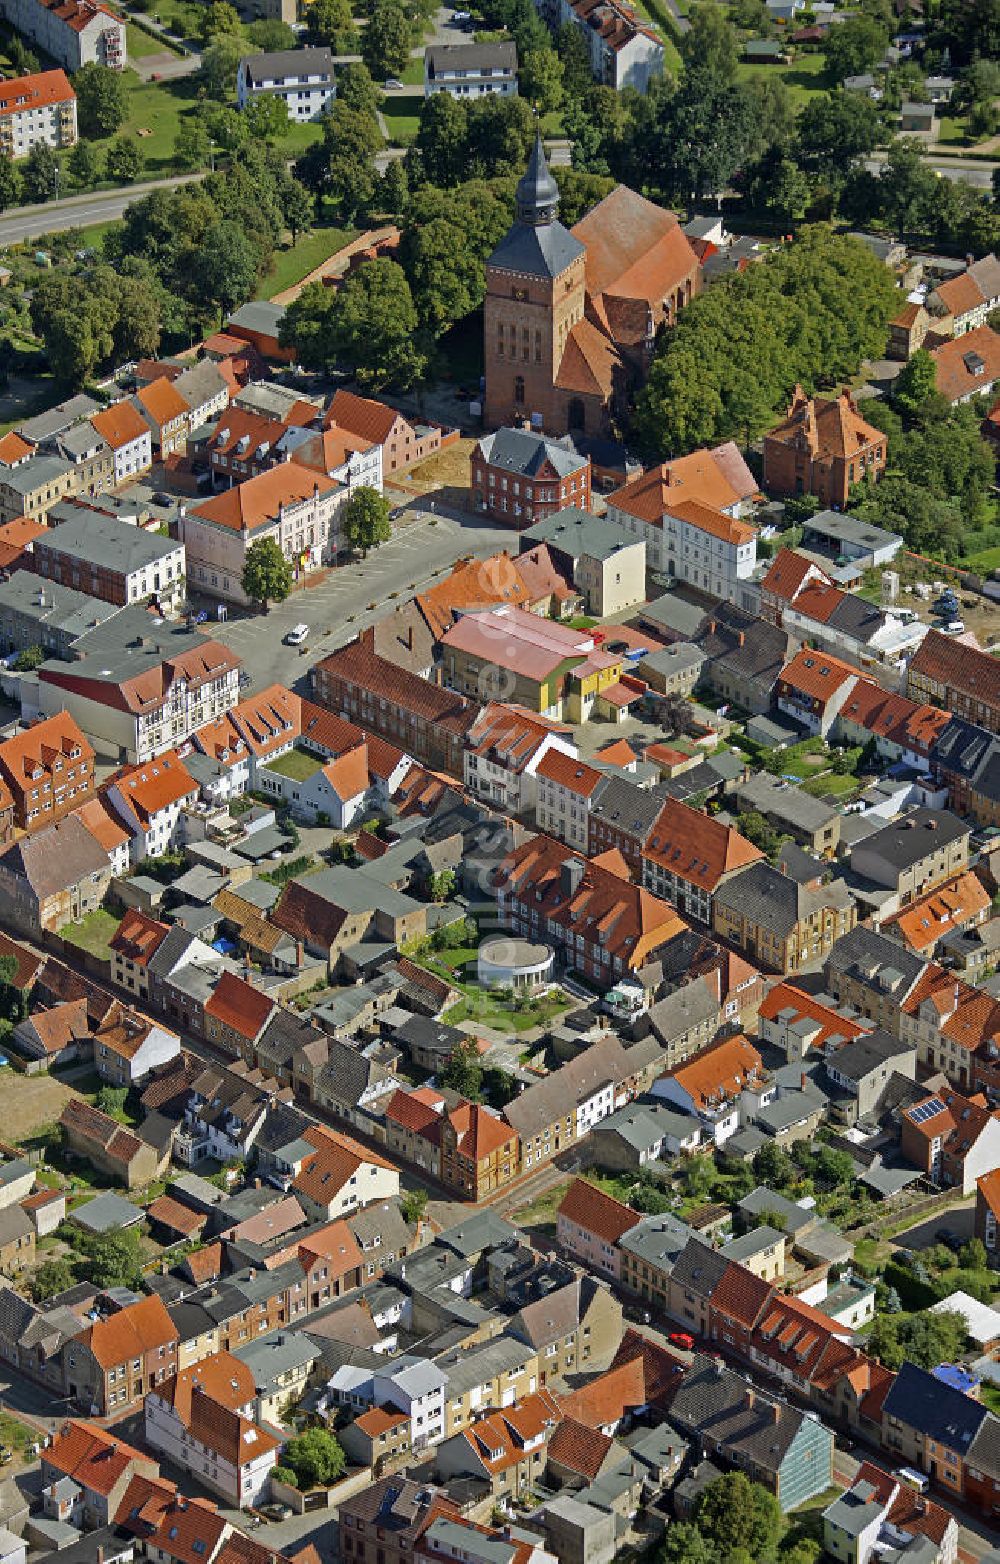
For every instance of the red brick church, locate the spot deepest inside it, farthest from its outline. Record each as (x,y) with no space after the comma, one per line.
(571,314)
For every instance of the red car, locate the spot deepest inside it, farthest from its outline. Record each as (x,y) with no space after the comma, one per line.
(680,1338)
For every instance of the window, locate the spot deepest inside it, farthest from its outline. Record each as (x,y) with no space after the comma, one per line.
(519,390)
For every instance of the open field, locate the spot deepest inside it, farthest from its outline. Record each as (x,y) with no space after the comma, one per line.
(31,1101)
(803,78)
(449,467)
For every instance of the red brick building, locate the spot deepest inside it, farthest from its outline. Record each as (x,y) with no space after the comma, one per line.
(823,447)
(570,315)
(426,721)
(520,478)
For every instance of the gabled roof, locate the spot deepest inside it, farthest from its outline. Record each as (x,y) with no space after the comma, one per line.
(829,428)
(152,787)
(120,424)
(94,1457)
(720,1071)
(950,662)
(138,937)
(132,1332)
(239,1006)
(256,503)
(817,675)
(579,1448)
(968,364)
(596,1212)
(934,1409)
(695,847)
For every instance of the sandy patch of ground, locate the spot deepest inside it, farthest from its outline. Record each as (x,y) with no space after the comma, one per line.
(29,1101)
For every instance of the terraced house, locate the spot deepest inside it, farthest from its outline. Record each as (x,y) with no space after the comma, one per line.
(48,770)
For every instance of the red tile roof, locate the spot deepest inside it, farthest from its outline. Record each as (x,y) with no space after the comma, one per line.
(238,1005)
(722,1069)
(955,665)
(816,674)
(967,365)
(188,1530)
(828,427)
(596,1212)
(579,1448)
(154,785)
(138,937)
(603,1402)
(135,1330)
(697,848)
(785,996)
(94,1457)
(788,574)
(178,1218)
(27,94)
(120,424)
(256,503)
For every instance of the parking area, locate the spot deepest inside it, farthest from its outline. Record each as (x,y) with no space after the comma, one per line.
(959,1220)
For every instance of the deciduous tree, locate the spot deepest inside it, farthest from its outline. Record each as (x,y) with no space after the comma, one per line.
(365,523)
(101,99)
(385,47)
(375,326)
(267,575)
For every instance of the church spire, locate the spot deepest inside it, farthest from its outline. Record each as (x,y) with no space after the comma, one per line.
(537,192)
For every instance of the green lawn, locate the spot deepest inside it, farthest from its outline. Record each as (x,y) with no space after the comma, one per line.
(94,933)
(14,1434)
(982,563)
(310,251)
(180,16)
(401,120)
(831,785)
(989,1395)
(803,78)
(140,45)
(487,1009)
(542,1212)
(413,76)
(296,765)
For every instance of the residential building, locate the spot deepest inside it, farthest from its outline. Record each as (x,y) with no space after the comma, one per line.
(823,446)
(105,1144)
(33,487)
(426,721)
(522,478)
(36,111)
(120,1357)
(340,907)
(953,1140)
(340,1175)
(788,1451)
(571,1325)
(397,1507)
(913,854)
(968,366)
(150,800)
(646,1132)
(624,50)
(564,1107)
(168,415)
(688,855)
(303,79)
(963,679)
(505,747)
(744,656)
(402,443)
(591,1225)
(590,301)
(48,770)
(202,1421)
(720,1086)
(813,689)
(74,33)
(780,924)
(17,1240)
(98,1462)
(860,1071)
(620,818)
(930,1426)
(137,689)
(128,1047)
(602,560)
(687,538)
(505,1449)
(108,559)
(565,789)
(545,667)
(136,940)
(292,505)
(33,615)
(796,1022)
(603,926)
(907,331)
(963,303)
(54,877)
(987,1217)
(796,814)
(471,70)
(877,1512)
(129,437)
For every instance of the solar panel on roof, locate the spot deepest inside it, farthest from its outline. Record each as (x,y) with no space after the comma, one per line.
(926,1110)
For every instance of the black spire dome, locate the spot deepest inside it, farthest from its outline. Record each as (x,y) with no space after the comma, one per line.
(537,192)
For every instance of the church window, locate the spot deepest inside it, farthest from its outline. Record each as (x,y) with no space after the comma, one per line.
(519,390)
(500,339)
(538,347)
(525,339)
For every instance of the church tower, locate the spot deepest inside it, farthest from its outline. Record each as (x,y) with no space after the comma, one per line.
(534,297)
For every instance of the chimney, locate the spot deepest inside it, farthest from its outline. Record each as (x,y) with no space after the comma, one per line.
(300,953)
(740,638)
(803,1078)
(751,1396)
(571,873)
(776,1411)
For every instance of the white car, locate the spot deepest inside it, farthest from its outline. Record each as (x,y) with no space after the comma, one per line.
(296,635)
(956,627)
(394,84)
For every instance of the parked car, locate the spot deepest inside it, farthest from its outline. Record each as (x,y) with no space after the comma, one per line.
(954,627)
(277,1512)
(681,1338)
(296,635)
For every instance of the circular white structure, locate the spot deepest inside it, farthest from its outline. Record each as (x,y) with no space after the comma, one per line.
(505,962)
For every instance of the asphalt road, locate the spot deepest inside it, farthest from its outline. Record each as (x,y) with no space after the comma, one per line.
(350,599)
(967,171)
(81,211)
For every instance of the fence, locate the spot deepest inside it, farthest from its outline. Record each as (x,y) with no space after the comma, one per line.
(906,1216)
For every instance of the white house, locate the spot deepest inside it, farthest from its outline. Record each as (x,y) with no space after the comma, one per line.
(303,78)
(624,51)
(471,70)
(150,801)
(332,792)
(129,437)
(504,748)
(202,1420)
(686,537)
(417,1387)
(36,111)
(74,33)
(722,1086)
(565,789)
(127,1047)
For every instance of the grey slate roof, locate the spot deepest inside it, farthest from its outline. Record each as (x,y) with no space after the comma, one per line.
(784,802)
(860,1057)
(536,252)
(577,532)
(260,314)
(641,1125)
(618,802)
(699,1268)
(520,451)
(35,473)
(768,898)
(937,1410)
(441,59)
(102,540)
(56,419)
(872,958)
(912,837)
(658,1240)
(714,1401)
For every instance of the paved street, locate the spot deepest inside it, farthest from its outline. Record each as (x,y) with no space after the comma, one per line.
(80,211)
(967,171)
(352,598)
